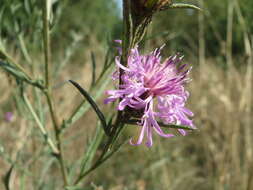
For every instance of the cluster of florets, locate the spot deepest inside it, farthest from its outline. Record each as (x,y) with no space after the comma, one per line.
(156,89)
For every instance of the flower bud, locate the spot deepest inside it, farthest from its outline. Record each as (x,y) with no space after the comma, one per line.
(157,5)
(148,7)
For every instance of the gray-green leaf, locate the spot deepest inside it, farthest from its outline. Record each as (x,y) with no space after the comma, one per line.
(184,6)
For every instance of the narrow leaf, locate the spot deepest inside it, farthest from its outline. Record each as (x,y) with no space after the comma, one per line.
(169,126)
(13,71)
(172,126)
(106,58)
(184,6)
(92,148)
(93,105)
(9,65)
(7,177)
(84,107)
(93,63)
(74,188)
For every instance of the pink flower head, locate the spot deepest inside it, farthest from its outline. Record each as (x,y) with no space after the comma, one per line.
(154,88)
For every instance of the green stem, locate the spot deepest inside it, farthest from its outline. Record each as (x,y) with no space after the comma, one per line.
(46,35)
(40,126)
(127,44)
(47,91)
(58,138)
(127,31)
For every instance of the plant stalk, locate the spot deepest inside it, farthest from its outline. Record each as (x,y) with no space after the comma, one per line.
(47,91)
(40,126)
(58,138)
(46,38)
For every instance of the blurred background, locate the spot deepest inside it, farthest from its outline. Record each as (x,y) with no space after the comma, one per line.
(217,43)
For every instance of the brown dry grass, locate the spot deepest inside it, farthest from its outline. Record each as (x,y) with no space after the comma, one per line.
(217,156)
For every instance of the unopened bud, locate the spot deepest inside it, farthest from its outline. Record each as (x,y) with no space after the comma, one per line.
(144,8)
(157,5)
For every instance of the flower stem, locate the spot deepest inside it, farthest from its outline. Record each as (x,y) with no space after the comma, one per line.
(58,138)
(47,91)
(127,31)
(46,38)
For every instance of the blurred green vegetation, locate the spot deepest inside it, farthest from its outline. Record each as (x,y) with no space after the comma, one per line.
(184,25)
(100,19)
(93,20)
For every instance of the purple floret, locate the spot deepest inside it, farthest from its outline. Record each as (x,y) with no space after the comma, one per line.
(155,87)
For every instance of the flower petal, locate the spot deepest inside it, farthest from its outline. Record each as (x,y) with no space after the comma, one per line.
(139,141)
